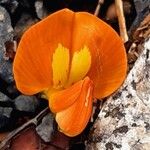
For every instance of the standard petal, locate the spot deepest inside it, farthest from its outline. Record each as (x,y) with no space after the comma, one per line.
(109,62)
(33,62)
(74,119)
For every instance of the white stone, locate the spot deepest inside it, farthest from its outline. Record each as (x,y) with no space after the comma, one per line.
(1,17)
(124,121)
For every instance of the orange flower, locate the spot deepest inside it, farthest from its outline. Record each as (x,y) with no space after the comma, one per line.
(71,58)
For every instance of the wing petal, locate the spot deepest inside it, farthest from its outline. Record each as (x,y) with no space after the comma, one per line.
(74,119)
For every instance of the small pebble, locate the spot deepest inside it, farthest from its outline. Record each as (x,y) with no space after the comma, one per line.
(26,103)
(6,111)
(45,129)
(4,98)
(40,10)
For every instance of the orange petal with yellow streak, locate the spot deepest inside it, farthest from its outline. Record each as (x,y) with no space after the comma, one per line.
(74,119)
(109,62)
(33,61)
(61,100)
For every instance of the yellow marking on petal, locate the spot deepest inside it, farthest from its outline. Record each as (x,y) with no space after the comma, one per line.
(80,65)
(60,66)
(48,92)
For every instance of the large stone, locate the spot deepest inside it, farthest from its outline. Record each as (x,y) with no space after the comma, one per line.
(5,35)
(45,129)
(26,103)
(124,121)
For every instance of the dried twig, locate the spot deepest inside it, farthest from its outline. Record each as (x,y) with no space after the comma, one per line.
(121,19)
(33,121)
(100,2)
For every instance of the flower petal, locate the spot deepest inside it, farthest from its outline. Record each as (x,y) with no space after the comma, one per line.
(74,119)
(77,32)
(80,65)
(60,66)
(33,62)
(61,100)
(109,62)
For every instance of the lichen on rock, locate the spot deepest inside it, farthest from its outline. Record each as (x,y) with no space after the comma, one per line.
(124,121)
(6,34)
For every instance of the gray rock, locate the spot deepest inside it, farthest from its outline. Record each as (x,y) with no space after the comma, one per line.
(142,8)
(141,5)
(40,10)
(124,121)
(5,26)
(4,98)
(45,129)
(6,34)
(26,103)
(6,71)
